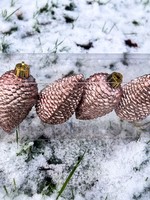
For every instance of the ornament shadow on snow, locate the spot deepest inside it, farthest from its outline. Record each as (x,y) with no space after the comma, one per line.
(88,98)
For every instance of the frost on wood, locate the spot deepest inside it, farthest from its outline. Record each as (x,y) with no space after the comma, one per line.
(135,102)
(58,101)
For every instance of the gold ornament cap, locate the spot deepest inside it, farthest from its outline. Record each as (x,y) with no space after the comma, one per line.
(115,79)
(22,70)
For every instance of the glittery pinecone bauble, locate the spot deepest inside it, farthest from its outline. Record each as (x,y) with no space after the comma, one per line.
(18,94)
(101,95)
(58,101)
(135,102)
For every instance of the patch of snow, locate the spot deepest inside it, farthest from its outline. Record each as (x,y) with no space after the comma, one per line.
(88,37)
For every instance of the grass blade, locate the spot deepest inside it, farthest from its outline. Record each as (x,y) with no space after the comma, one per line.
(5,188)
(17,135)
(70,176)
(7,18)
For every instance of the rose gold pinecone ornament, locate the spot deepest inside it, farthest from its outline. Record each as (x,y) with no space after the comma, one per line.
(135,102)
(102,93)
(58,101)
(18,94)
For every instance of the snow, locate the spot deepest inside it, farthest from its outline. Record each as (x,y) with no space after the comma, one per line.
(116,164)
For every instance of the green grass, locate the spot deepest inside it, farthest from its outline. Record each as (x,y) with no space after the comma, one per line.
(4,45)
(106,29)
(70,176)
(47,187)
(6,191)
(47,8)
(17,135)
(56,45)
(14,192)
(27,150)
(5,15)
(12,3)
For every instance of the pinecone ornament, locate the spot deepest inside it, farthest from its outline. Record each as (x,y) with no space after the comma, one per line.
(58,101)
(135,102)
(101,94)
(18,94)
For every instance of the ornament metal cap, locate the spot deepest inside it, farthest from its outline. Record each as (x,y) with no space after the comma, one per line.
(22,70)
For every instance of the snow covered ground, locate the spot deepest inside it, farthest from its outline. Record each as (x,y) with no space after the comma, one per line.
(64,37)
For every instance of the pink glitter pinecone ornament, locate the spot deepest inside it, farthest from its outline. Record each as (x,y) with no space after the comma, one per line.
(18,94)
(135,102)
(101,94)
(58,101)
